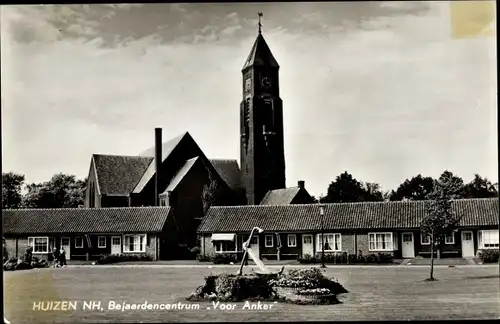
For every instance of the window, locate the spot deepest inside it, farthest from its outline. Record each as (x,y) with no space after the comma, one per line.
(449,238)
(78,242)
(116,240)
(101,241)
(134,243)
(332,242)
(269,240)
(39,244)
(292,240)
(380,242)
(255,240)
(224,246)
(307,239)
(424,239)
(488,239)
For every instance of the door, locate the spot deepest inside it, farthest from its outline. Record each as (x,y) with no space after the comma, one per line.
(65,244)
(408,247)
(116,245)
(254,244)
(307,245)
(467,244)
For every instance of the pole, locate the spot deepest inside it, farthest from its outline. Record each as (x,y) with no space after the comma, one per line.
(323,241)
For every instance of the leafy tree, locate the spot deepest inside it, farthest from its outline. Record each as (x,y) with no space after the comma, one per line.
(212,194)
(451,184)
(479,188)
(440,218)
(373,192)
(62,191)
(347,189)
(12,184)
(417,188)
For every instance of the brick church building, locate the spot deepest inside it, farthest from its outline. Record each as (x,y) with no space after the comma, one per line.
(154,202)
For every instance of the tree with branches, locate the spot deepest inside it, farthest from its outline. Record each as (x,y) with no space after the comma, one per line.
(440,218)
(212,194)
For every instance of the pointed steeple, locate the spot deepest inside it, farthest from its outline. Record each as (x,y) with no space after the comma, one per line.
(260,55)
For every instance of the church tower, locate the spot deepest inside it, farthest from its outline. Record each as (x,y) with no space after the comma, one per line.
(261,121)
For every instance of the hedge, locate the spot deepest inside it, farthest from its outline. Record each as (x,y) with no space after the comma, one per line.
(344,258)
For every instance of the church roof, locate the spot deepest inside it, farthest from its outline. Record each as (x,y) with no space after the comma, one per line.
(183,171)
(121,175)
(260,55)
(476,212)
(280,196)
(167,149)
(229,172)
(118,175)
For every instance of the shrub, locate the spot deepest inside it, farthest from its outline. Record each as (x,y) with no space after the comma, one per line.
(229,287)
(115,258)
(195,250)
(225,258)
(204,258)
(352,258)
(385,258)
(39,263)
(307,259)
(489,256)
(371,258)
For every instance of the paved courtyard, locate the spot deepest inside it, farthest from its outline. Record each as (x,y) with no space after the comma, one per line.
(375,293)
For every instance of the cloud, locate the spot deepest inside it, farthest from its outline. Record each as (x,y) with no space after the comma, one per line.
(385,102)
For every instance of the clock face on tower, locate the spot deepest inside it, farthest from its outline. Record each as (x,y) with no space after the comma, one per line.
(266,83)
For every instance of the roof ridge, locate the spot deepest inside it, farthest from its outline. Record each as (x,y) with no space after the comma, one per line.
(352,203)
(220,159)
(116,155)
(88,208)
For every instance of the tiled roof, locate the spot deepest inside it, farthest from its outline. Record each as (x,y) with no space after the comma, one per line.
(85,220)
(342,216)
(167,149)
(229,172)
(181,174)
(280,196)
(260,54)
(118,175)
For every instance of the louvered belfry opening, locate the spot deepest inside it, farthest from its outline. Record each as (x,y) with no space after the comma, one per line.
(158,160)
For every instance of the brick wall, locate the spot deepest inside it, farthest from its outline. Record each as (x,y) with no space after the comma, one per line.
(207,248)
(10,244)
(362,243)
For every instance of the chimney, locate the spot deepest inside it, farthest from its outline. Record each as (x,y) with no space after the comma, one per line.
(158,160)
(301,183)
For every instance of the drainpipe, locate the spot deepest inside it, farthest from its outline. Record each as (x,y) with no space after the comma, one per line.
(355,244)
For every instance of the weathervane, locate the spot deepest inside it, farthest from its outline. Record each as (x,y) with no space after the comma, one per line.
(260,25)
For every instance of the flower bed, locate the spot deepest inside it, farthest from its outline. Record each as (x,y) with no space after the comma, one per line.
(20,264)
(307,285)
(344,258)
(230,287)
(116,258)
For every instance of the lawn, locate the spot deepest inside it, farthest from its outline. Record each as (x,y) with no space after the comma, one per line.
(375,293)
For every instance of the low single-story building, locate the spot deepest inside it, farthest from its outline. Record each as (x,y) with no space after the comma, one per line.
(87,233)
(365,227)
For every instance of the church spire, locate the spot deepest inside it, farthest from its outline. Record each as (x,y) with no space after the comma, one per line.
(260,25)
(260,55)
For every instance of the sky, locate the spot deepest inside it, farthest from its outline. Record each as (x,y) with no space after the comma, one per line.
(382,90)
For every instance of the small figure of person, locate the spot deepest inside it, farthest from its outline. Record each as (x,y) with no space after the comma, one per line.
(55,255)
(62,258)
